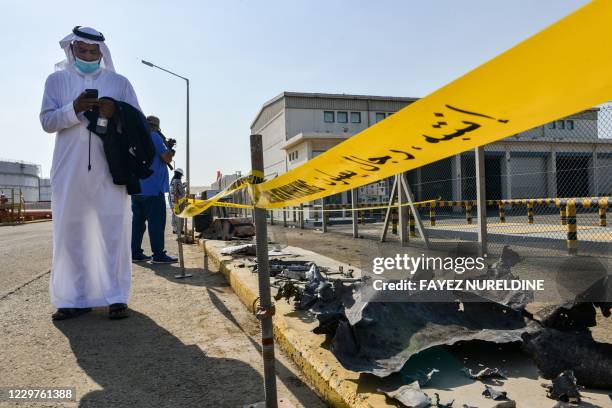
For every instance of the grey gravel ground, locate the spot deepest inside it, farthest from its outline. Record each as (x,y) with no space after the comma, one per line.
(187,343)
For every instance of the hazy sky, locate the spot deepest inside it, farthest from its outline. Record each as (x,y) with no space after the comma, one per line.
(239,54)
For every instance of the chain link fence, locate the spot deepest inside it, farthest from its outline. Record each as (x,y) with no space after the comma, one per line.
(547,194)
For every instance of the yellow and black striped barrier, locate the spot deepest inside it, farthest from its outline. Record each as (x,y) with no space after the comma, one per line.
(468,212)
(530,212)
(432,214)
(601,203)
(502,212)
(411,224)
(603,206)
(562,212)
(572,232)
(567,210)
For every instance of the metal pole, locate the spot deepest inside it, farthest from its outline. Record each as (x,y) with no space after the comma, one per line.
(181,275)
(389,211)
(415,212)
(301,216)
(481,200)
(188,175)
(205,255)
(188,172)
(266,309)
(188,179)
(403,211)
(354,212)
(323,216)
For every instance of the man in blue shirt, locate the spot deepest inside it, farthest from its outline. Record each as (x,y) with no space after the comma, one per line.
(150,205)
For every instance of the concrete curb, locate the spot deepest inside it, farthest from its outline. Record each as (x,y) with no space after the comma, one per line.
(292,332)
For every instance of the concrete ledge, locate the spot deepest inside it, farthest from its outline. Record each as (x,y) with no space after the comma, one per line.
(293,332)
(343,388)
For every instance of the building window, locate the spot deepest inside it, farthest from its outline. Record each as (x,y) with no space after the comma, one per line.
(315,153)
(293,156)
(379,116)
(328,116)
(342,117)
(551,125)
(570,124)
(560,124)
(355,117)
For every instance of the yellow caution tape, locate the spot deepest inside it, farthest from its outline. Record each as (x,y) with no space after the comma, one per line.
(201,204)
(189,207)
(533,83)
(377,207)
(231,205)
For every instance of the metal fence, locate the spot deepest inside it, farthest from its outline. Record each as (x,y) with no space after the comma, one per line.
(546,188)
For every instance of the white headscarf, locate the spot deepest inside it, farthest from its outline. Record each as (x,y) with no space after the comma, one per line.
(79,34)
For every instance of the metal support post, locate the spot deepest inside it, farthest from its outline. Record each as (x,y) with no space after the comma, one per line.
(266,309)
(180,238)
(301,216)
(323,216)
(390,213)
(354,213)
(205,255)
(417,216)
(403,211)
(481,200)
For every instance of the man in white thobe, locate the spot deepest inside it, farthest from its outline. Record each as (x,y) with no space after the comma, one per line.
(91,215)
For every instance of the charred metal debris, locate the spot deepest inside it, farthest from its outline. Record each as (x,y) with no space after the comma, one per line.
(379,337)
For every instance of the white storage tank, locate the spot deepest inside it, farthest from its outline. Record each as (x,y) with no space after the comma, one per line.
(20,175)
(44,188)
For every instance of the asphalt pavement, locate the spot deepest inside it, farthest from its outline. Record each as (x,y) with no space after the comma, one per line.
(25,253)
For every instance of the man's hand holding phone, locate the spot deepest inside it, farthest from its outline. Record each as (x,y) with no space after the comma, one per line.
(87,100)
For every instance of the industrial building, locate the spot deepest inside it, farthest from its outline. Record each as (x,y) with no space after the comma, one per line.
(20,176)
(44,188)
(540,162)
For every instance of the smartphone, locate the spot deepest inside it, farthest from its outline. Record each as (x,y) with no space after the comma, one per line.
(91,93)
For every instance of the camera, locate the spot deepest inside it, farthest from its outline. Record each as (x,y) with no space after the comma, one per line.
(170,143)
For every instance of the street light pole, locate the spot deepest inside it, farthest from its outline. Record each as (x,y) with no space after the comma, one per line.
(188,179)
(150,64)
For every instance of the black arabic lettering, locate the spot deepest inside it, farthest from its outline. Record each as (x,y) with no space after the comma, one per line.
(364,162)
(475,114)
(472,126)
(341,177)
(379,160)
(409,156)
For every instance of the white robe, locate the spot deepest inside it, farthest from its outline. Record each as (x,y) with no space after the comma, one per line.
(92,259)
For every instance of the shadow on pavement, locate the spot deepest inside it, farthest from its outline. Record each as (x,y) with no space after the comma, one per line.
(168,271)
(293,383)
(138,363)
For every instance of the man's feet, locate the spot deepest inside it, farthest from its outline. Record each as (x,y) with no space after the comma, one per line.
(64,313)
(164,259)
(141,258)
(118,311)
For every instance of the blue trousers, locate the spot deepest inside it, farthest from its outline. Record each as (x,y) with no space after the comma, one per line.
(152,210)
